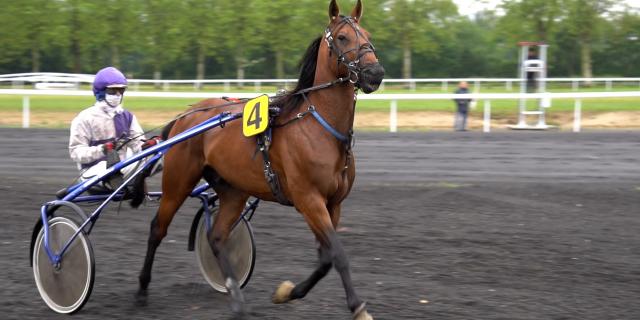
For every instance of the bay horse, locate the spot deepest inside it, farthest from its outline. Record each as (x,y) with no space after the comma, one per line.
(309,157)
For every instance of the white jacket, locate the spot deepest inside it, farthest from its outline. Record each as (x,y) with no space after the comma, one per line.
(94,126)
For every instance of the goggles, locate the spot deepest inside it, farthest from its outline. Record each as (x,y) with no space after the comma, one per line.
(115,90)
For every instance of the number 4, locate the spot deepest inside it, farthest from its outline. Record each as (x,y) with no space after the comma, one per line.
(255,116)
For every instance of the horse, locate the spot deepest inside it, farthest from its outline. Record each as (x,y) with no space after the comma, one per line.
(306,162)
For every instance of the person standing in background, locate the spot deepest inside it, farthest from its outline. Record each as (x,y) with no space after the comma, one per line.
(462,108)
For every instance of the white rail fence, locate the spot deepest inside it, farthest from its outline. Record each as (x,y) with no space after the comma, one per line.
(48,80)
(392,98)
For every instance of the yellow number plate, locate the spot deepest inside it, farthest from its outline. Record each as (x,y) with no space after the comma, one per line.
(255,117)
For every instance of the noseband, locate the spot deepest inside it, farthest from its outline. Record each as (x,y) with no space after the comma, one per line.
(352,65)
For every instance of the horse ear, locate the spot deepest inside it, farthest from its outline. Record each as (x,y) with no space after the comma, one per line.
(334,11)
(357,11)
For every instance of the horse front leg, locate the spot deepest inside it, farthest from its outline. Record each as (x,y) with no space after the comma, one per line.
(330,253)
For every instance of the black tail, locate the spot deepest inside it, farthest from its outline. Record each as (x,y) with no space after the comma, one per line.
(167,129)
(138,186)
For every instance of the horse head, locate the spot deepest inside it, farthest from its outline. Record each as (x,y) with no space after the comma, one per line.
(348,44)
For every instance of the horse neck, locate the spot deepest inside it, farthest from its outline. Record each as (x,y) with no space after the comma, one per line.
(336,103)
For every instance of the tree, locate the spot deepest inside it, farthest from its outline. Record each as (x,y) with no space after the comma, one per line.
(418,25)
(30,27)
(163,24)
(101,32)
(204,30)
(619,53)
(584,19)
(286,27)
(531,20)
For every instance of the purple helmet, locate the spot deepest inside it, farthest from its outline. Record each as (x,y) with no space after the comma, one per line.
(108,77)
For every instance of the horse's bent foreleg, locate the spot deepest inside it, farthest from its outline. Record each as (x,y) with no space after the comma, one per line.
(288,291)
(331,253)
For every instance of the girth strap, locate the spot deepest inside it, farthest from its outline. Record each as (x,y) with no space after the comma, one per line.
(264,142)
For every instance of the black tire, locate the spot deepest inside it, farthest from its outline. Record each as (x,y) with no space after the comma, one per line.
(240,248)
(65,289)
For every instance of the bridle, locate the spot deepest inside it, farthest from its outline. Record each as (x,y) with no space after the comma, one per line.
(352,65)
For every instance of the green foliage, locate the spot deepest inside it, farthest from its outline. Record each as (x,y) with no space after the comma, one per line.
(266,39)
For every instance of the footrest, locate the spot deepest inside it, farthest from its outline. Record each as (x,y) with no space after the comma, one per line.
(62,193)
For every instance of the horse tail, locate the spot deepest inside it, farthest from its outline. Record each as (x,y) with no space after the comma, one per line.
(167,129)
(138,191)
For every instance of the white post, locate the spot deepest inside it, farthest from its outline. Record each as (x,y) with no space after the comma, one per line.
(393,117)
(509,85)
(486,125)
(609,85)
(445,86)
(577,115)
(257,86)
(574,85)
(25,112)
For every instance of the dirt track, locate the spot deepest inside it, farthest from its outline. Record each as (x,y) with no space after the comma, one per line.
(510,225)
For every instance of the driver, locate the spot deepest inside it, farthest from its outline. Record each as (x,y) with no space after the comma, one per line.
(101,129)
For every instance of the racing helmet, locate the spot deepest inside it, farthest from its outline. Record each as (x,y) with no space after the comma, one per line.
(108,77)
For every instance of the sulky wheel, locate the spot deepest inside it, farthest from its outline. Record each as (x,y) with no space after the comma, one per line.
(65,287)
(240,248)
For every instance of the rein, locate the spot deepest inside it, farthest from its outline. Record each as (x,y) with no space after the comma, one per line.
(126,141)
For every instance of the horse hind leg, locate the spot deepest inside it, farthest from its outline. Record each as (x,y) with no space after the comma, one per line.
(330,253)
(232,203)
(175,191)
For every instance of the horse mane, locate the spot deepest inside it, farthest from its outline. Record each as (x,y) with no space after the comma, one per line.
(307,66)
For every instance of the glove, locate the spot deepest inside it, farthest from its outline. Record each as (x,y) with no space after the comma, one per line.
(151,142)
(107,147)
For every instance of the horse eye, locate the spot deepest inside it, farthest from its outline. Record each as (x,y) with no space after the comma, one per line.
(342,37)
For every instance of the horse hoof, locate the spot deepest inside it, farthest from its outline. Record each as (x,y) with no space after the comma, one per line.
(283,293)
(361,313)
(141,298)
(238,309)
(237,299)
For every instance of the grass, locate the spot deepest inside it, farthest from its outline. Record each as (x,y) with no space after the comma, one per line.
(75,104)
(10,104)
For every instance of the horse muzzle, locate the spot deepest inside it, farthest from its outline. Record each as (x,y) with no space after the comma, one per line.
(370,77)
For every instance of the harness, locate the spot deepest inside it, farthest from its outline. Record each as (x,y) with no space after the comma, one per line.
(264,139)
